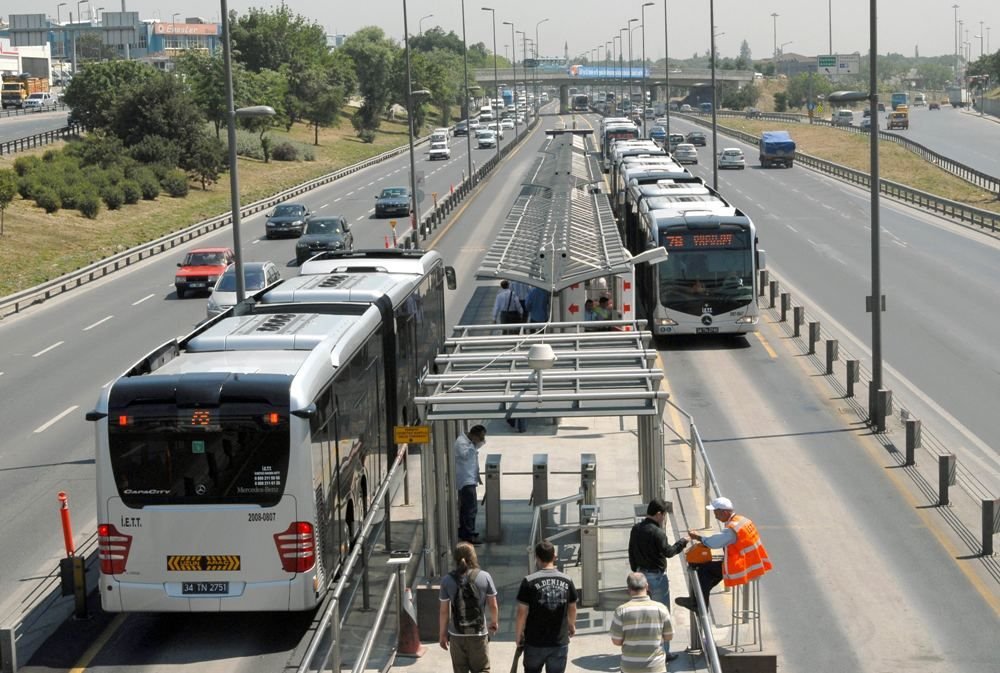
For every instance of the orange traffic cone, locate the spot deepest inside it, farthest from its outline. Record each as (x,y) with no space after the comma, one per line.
(408,644)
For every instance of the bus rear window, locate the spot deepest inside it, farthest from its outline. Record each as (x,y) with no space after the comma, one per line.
(171,456)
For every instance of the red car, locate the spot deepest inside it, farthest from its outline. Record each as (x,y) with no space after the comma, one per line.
(201,268)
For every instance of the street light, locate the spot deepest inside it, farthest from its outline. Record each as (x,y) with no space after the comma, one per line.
(79,14)
(643,15)
(496,84)
(538,50)
(59,12)
(666,69)
(99,10)
(607,73)
(955,31)
(715,104)
(513,65)
(629,28)
(420,23)
(173,17)
(829,12)
(410,114)
(621,65)
(775,16)
(468,111)
(781,50)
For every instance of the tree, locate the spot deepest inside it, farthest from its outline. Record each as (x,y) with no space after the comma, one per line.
(805,87)
(205,76)
(374,56)
(745,52)
(90,48)
(95,91)
(204,159)
(162,106)
(8,190)
(934,75)
(265,88)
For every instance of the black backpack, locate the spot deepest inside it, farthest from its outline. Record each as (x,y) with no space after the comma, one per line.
(467,606)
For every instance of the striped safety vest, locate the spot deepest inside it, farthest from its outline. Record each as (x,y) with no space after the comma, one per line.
(746,559)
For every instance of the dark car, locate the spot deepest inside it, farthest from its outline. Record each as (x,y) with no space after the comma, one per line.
(934,105)
(462,128)
(393,201)
(697,138)
(881,107)
(287,219)
(322,234)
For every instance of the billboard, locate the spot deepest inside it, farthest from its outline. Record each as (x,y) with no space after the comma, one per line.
(600,72)
(209,29)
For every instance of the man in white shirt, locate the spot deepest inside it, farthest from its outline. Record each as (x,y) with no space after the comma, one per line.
(507,307)
(466,479)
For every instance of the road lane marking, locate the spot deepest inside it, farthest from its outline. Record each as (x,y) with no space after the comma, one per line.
(46,350)
(326,204)
(46,426)
(98,644)
(792,228)
(361,218)
(337,199)
(148,296)
(766,345)
(102,320)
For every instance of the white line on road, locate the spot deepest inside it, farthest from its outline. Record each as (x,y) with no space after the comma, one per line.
(46,350)
(326,204)
(148,296)
(46,426)
(792,228)
(337,199)
(349,193)
(102,320)
(370,183)
(899,243)
(361,218)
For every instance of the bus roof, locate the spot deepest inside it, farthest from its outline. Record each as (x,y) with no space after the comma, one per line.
(365,287)
(697,215)
(389,260)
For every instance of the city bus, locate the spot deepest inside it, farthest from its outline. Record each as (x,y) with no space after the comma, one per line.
(235,464)
(611,133)
(581,102)
(899,98)
(708,283)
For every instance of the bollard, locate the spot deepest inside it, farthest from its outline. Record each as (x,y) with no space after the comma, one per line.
(912,440)
(408,640)
(813,336)
(832,354)
(8,651)
(72,568)
(774,292)
(853,375)
(67,525)
(798,315)
(763,282)
(786,301)
(589,561)
(492,499)
(946,477)
(991,524)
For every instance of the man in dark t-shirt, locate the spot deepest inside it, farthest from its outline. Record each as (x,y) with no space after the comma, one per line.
(546,614)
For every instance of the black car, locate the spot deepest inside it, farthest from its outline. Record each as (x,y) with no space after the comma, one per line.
(287,219)
(322,234)
(393,201)
(697,138)
(462,128)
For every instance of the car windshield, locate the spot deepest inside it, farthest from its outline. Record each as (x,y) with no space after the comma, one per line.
(283,211)
(393,193)
(323,227)
(252,280)
(204,259)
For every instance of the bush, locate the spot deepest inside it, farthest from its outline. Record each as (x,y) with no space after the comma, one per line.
(70,193)
(97,149)
(308,154)
(149,185)
(89,205)
(175,183)
(155,149)
(26,186)
(160,170)
(51,155)
(366,135)
(248,145)
(113,197)
(26,165)
(285,151)
(131,190)
(48,198)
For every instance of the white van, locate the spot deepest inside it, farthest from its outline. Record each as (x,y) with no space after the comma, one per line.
(486,113)
(842,118)
(919,99)
(440,135)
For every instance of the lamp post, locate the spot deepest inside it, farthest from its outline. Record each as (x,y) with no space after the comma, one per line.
(465,88)
(955,31)
(420,24)
(62,41)
(643,24)
(173,17)
(980,36)
(774,16)
(538,51)
(524,80)
(715,128)
(513,65)
(666,70)
(79,14)
(410,114)
(829,13)
(629,80)
(234,182)
(59,12)
(99,10)
(781,50)
(496,85)
(621,64)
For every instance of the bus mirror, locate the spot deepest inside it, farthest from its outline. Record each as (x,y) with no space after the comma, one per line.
(761,260)
(449,274)
(308,412)
(95,415)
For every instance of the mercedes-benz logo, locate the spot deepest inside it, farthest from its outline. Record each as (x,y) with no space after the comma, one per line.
(706,320)
(200,489)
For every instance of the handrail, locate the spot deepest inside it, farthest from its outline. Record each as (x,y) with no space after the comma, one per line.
(705,625)
(366,648)
(333,603)
(536,514)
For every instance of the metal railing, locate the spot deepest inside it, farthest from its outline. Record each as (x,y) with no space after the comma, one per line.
(985,219)
(332,621)
(39,139)
(20,112)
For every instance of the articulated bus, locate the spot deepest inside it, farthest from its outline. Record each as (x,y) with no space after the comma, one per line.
(235,464)
(612,132)
(581,102)
(707,284)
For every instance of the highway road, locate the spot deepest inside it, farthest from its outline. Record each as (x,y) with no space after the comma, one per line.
(22,126)
(56,357)
(939,280)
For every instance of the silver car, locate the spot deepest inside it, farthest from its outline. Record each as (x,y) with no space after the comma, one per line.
(685,153)
(732,157)
(256,276)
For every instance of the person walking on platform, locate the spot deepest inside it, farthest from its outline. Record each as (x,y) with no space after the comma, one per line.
(745,558)
(467,479)
(537,305)
(642,628)
(464,628)
(546,614)
(507,307)
(648,551)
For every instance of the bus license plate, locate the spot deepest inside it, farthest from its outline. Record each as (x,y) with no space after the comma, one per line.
(204,588)
(706,330)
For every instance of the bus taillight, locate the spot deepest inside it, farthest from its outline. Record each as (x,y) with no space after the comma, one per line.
(113,548)
(296,547)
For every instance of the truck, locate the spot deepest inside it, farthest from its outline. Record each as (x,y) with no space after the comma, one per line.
(957,96)
(776,149)
(508,98)
(17,88)
(898,119)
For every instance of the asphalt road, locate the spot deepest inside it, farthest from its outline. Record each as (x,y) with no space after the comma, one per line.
(22,126)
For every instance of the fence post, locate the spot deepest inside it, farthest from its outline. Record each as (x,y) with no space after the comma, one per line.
(798,313)
(832,354)
(786,300)
(991,524)
(763,282)
(912,439)
(853,375)
(946,477)
(774,292)
(813,336)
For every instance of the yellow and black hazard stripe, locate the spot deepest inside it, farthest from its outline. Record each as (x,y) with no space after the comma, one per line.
(213,563)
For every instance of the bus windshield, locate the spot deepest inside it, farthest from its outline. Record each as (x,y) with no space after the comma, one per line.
(706,268)
(166,455)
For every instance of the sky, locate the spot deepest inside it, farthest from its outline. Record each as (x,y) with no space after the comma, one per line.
(908,25)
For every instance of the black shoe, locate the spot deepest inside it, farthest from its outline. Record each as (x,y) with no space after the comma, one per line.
(671,656)
(686,602)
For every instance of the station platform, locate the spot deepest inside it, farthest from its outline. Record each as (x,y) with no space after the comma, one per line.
(613,441)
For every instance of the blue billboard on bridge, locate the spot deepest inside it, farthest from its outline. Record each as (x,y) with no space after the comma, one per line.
(611,72)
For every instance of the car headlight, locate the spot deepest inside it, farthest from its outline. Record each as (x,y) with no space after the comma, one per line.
(298,222)
(301,244)
(179,279)
(212,279)
(337,245)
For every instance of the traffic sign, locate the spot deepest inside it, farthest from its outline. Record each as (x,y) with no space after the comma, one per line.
(411,434)
(848,64)
(826,61)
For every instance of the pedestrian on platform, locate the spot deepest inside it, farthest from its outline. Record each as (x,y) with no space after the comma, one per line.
(546,614)
(464,627)
(537,305)
(648,551)
(588,310)
(745,558)
(507,307)
(467,478)
(603,309)
(642,628)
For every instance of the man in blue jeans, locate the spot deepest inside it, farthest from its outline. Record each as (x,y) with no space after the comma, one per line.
(467,478)
(648,551)
(546,614)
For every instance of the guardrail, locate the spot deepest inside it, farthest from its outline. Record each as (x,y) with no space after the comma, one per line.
(985,219)
(958,169)
(19,112)
(39,139)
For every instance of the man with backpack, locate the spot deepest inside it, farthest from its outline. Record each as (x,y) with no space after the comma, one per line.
(463,625)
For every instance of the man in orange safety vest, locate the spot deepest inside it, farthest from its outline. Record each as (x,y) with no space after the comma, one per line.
(745,557)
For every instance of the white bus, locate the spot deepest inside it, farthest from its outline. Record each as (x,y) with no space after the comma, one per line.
(708,283)
(235,464)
